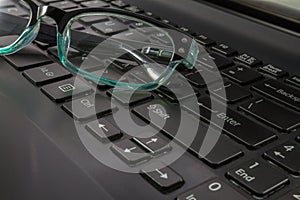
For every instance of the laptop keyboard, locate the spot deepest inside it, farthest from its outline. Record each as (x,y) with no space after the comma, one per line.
(264,106)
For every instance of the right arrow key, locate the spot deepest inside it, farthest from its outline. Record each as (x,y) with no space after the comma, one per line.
(162,177)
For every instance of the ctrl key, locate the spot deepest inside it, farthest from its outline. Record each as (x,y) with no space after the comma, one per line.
(259,178)
(211,190)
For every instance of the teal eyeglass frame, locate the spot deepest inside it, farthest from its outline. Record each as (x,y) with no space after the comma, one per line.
(185,48)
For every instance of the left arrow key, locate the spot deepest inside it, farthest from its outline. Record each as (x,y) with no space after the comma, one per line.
(130,152)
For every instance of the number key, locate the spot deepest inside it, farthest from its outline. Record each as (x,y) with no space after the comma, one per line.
(286,156)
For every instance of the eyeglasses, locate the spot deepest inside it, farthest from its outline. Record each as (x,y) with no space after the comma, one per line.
(117,48)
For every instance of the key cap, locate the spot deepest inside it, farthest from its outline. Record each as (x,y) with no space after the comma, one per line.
(272,114)
(177,90)
(130,152)
(64,5)
(259,178)
(233,92)
(134,9)
(214,61)
(110,27)
(273,71)
(293,195)
(129,99)
(294,80)
(155,144)
(93,19)
(89,107)
(223,152)
(286,156)
(119,4)
(141,27)
(14,11)
(28,57)
(235,125)
(205,41)
(47,74)
(248,60)
(162,177)
(7,3)
(94,4)
(211,190)
(224,49)
(48,1)
(104,131)
(65,90)
(280,92)
(196,78)
(242,75)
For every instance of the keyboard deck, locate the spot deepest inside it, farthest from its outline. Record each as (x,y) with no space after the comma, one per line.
(255,157)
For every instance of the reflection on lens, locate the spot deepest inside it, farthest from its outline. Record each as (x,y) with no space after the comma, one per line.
(14,17)
(120,48)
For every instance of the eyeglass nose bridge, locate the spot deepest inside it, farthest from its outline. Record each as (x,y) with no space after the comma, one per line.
(55,13)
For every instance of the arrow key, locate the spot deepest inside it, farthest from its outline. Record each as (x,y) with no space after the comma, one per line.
(162,177)
(286,156)
(130,152)
(103,130)
(155,145)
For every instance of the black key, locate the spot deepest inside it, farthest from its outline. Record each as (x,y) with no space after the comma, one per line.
(223,152)
(212,190)
(272,114)
(89,107)
(48,1)
(65,90)
(259,178)
(162,177)
(134,9)
(28,57)
(77,26)
(273,71)
(214,61)
(177,90)
(242,75)
(143,28)
(293,195)
(128,98)
(14,11)
(205,41)
(294,80)
(119,3)
(248,60)
(280,92)
(155,144)
(103,130)
(202,78)
(47,74)
(93,19)
(233,92)
(64,5)
(286,156)
(124,65)
(94,4)
(224,49)
(167,118)
(110,27)
(235,124)
(130,152)
(7,3)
